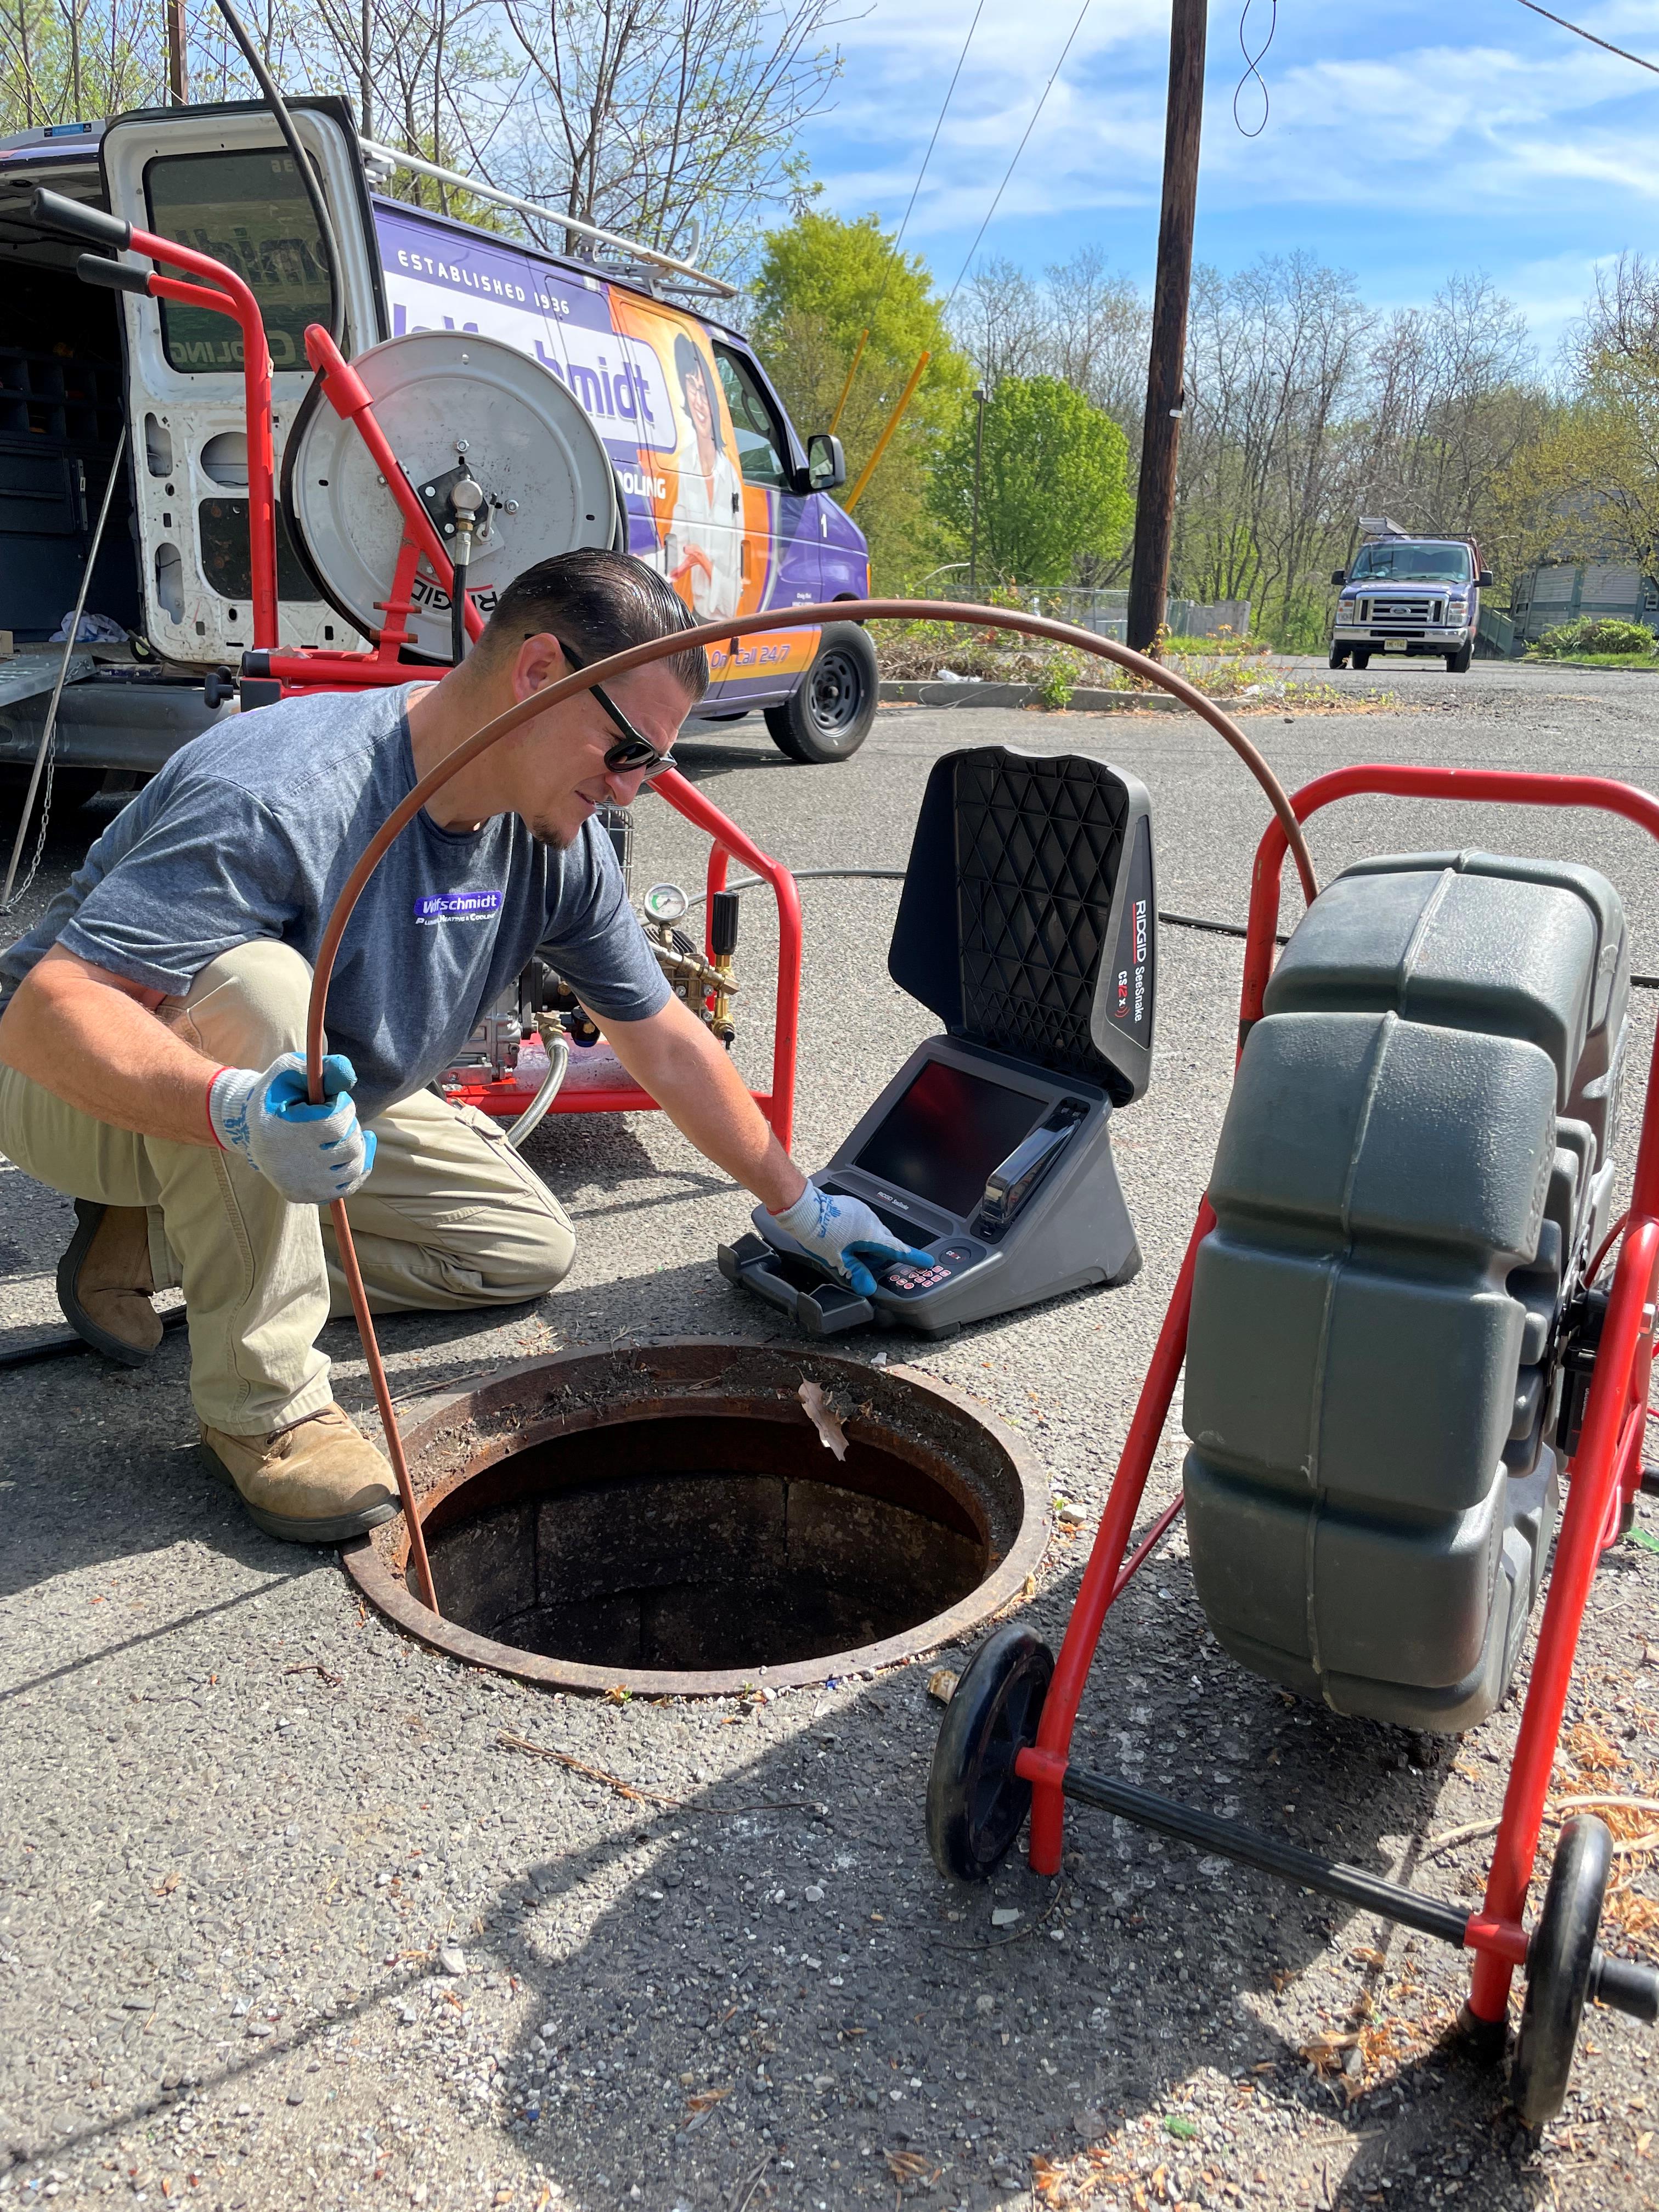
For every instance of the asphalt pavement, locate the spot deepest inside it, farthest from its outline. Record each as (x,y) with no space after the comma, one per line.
(281,1922)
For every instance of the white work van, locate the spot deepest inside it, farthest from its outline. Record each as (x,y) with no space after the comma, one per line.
(714,486)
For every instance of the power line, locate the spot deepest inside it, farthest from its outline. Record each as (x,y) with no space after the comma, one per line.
(1579,32)
(1018,150)
(1252,69)
(949,90)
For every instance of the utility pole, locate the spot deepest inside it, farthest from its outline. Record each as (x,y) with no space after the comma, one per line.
(1148,576)
(178,78)
(980,396)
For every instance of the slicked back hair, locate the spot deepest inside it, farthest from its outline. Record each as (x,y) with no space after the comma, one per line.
(600,602)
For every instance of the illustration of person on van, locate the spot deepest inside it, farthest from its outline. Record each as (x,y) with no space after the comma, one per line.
(703,548)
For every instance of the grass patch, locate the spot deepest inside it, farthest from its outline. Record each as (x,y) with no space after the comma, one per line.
(1232,673)
(1534,659)
(1211,647)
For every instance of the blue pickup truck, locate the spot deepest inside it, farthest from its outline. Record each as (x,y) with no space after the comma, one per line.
(1404,594)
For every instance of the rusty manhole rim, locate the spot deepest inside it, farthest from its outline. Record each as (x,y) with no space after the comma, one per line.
(366,1564)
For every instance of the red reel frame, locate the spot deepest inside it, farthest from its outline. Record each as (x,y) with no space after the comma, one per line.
(1604,1474)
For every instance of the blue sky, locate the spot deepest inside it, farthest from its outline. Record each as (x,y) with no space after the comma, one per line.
(1405,142)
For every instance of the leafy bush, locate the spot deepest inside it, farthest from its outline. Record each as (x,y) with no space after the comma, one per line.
(1058,681)
(1596,634)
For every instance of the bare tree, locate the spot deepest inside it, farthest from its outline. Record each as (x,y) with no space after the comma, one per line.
(1003,322)
(1099,326)
(1275,375)
(661,118)
(1455,398)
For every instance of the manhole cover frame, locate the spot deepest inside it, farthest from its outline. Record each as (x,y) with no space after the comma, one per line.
(467,1431)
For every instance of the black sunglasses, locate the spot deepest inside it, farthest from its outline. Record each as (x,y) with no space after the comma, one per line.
(632,749)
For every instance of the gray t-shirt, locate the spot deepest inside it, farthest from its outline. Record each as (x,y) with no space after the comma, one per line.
(252,830)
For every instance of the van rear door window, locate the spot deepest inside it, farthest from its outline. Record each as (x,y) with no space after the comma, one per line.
(250,212)
(760,439)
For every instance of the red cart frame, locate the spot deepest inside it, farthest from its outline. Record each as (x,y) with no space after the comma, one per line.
(1604,1474)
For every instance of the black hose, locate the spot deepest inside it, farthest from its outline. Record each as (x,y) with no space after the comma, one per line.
(897,875)
(57,1347)
(457,611)
(302,161)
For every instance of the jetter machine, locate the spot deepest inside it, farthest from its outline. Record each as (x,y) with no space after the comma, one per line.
(1027,924)
(1396,1342)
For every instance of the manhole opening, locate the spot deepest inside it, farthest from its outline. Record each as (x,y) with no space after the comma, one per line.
(691,1542)
(667,1518)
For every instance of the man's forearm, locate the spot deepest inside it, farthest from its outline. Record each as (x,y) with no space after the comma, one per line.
(87,1039)
(674,1057)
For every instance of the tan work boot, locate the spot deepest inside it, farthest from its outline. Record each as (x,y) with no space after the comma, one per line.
(317,1482)
(105,1284)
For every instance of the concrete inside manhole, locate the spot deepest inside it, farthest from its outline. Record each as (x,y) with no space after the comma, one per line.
(671,1517)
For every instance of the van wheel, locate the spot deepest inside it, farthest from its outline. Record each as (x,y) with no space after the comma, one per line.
(1339,656)
(828,716)
(1361,659)
(1457,664)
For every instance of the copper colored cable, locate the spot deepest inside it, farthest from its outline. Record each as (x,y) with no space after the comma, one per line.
(604,671)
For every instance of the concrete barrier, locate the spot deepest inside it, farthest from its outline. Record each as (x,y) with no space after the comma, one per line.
(1084,699)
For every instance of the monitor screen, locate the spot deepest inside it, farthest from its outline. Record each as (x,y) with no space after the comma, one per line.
(946,1134)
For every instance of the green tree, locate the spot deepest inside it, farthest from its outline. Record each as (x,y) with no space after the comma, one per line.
(1054,481)
(821,283)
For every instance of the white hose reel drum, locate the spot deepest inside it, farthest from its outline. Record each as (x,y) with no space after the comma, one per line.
(450,404)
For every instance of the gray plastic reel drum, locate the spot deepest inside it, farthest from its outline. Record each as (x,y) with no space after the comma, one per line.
(1414,1167)
(528,443)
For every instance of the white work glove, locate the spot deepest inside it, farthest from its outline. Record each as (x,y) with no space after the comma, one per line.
(841,1233)
(312,1154)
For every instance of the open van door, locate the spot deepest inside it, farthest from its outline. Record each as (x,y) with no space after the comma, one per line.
(220,179)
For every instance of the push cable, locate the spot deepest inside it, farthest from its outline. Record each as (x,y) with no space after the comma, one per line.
(302,161)
(603,672)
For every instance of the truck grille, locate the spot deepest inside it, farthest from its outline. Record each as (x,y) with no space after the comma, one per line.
(1386,613)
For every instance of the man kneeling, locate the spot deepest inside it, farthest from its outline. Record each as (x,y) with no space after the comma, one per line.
(150,1060)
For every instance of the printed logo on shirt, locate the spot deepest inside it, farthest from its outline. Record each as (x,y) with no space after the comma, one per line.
(456,906)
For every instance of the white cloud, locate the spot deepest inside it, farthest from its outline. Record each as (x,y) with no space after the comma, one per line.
(1391,149)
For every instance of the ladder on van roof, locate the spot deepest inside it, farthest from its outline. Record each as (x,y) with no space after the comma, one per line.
(380,161)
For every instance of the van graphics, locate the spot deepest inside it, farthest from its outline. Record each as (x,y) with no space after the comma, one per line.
(646,374)
(456,906)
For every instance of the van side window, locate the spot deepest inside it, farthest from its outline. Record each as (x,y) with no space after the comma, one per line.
(250,212)
(760,445)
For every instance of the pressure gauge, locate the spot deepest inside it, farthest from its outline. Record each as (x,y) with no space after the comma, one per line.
(665,903)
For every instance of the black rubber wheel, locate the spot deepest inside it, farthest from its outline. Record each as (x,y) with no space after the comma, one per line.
(1559,1969)
(1361,659)
(828,716)
(976,1801)
(1457,664)
(1339,658)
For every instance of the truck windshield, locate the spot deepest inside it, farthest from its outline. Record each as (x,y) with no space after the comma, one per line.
(1402,560)
(250,212)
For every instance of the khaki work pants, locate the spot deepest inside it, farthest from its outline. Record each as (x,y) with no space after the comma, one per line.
(450,1217)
